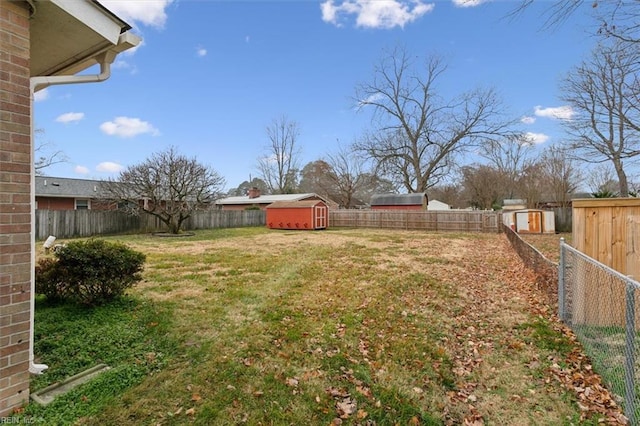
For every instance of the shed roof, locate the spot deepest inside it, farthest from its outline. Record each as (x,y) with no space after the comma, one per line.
(416,198)
(67,187)
(294,204)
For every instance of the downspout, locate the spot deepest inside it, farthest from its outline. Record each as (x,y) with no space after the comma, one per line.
(38,83)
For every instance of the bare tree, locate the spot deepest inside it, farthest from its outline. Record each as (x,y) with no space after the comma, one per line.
(167,185)
(601,181)
(45,153)
(418,134)
(450,193)
(531,185)
(349,178)
(280,166)
(509,156)
(315,177)
(603,91)
(618,19)
(560,174)
(483,186)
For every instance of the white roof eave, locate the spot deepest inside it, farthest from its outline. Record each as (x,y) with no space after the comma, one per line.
(68,35)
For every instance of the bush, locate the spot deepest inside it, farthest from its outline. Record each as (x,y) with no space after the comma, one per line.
(90,272)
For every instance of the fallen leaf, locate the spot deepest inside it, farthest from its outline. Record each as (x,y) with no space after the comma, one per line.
(361,414)
(346,407)
(364,390)
(291,381)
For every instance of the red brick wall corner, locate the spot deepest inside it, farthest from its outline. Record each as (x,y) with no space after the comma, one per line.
(15,205)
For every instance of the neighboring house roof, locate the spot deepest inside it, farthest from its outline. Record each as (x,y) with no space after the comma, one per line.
(47,186)
(416,198)
(302,204)
(514,204)
(267,199)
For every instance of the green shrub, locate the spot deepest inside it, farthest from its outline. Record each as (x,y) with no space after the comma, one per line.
(90,272)
(48,279)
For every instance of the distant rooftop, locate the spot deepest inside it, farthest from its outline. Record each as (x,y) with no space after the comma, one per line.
(416,198)
(267,199)
(67,187)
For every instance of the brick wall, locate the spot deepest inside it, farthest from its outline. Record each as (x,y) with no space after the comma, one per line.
(52,203)
(15,205)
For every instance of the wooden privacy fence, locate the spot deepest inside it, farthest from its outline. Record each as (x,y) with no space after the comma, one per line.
(440,220)
(86,223)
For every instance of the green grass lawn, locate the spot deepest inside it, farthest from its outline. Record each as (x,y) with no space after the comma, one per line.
(251,326)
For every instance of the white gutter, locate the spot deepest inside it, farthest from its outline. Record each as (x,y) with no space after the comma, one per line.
(104,59)
(38,83)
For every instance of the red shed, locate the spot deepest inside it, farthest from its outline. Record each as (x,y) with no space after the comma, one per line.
(305,214)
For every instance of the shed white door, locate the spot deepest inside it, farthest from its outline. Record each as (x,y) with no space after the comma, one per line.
(320,217)
(529,221)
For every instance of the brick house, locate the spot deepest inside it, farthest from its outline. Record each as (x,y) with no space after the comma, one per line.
(42,43)
(53,193)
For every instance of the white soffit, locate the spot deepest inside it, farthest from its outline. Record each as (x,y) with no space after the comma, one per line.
(67,34)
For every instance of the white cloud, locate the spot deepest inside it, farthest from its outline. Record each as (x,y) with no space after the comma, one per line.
(375,14)
(109,167)
(536,138)
(527,119)
(41,95)
(124,65)
(370,99)
(81,170)
(148,12)
(126,127)
(557,113)
(201,51)
(468,3)
(70,117)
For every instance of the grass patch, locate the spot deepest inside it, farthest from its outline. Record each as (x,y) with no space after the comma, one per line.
(262,327)
(131,335)
(541,333)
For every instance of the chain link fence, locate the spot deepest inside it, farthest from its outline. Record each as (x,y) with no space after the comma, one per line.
(602,307)
(546,270)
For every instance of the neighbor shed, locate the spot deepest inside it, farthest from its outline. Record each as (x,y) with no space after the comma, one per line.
(607,230)
(304,215)
(530,221)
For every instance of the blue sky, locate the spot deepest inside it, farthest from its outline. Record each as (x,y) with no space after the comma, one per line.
(210,76)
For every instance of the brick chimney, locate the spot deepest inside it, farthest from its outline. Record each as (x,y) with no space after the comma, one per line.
(254,192)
